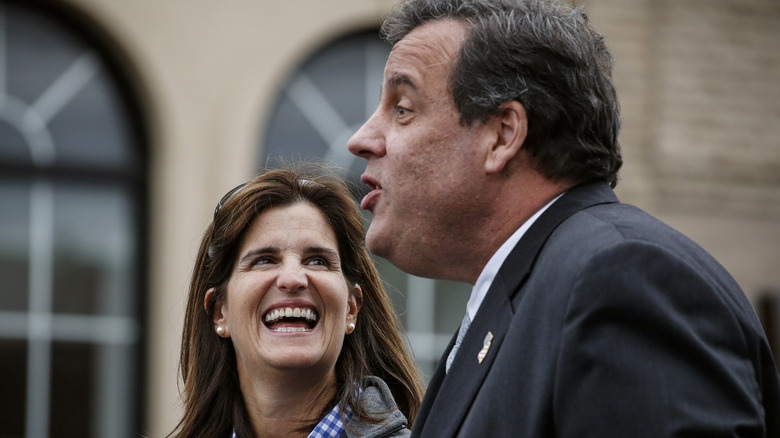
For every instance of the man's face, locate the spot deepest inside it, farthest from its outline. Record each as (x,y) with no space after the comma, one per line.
(422,164)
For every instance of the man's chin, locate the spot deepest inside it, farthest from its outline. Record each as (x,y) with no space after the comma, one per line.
(377,242)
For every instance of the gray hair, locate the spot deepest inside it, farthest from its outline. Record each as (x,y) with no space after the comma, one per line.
(543,54)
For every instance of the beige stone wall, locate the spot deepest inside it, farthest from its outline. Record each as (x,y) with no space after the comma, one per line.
(698,83)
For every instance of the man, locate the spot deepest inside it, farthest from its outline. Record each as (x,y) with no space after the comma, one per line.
(491,160)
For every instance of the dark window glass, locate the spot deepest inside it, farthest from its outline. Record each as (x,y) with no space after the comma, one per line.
(72,197)
(13,368)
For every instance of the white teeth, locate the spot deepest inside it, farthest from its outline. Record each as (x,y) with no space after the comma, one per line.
(291,329)
(311,315)
(290,312)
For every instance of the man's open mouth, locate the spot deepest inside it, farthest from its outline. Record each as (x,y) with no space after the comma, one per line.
(291,319)
(376,189)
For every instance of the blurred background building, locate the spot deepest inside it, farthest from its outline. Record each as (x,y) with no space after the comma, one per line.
(123,122)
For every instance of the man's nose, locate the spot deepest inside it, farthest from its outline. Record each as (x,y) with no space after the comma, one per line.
(369,139)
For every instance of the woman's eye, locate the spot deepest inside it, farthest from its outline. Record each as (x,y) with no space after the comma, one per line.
(262,261)
(317,261)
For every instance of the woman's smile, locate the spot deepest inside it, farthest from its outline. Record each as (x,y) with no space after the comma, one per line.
(291,318)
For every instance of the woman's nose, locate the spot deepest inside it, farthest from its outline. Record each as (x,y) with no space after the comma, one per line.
(291,278)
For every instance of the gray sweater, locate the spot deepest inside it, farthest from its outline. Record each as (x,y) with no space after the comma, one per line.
(378,401)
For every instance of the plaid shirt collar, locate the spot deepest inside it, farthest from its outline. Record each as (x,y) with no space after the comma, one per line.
(331,426)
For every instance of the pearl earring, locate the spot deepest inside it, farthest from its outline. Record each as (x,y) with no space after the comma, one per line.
(220,330)
(351,327)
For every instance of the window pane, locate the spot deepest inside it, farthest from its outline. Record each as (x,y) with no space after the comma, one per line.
(94,250)
(72,390)
(395,283)
(38,51)
(326,101)
(107,141)
(12,145)
(451,299)
(13,368)
(59,91)
(94,246)
(14,245)
(90,392)
(306,143)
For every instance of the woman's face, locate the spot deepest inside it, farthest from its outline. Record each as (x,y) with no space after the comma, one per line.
(288,304)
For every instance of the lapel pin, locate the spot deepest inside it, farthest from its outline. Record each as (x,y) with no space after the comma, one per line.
(485,347)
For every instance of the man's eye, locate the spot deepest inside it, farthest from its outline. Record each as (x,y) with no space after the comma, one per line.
(401,110)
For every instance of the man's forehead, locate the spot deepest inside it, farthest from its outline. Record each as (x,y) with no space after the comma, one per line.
(428,46)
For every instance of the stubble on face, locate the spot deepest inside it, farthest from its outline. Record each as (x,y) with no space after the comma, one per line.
(431,167)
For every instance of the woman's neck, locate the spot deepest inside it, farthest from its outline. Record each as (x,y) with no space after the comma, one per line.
(280,405)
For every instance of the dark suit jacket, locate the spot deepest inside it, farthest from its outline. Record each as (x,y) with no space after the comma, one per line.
(607,323)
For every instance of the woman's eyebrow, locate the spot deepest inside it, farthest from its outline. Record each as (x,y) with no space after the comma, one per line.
(322,250)
(261,250)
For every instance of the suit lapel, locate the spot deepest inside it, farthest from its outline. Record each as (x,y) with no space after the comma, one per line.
(432,390)
(449,396)
(519,263)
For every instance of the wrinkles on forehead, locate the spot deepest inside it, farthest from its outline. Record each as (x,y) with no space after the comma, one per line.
(430,45)
(421,62)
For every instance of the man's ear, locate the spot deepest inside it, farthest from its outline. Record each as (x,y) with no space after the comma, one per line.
(511,128)
(220,322)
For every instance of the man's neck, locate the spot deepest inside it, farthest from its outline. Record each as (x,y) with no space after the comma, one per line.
(513,209)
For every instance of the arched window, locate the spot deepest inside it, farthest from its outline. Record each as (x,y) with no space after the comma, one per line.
(324,102)
(72,209)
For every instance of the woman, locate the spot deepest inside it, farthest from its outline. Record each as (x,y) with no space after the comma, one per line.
(288,327)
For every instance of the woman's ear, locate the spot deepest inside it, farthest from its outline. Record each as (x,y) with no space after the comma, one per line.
(354,303)
(220,310)
(511,128)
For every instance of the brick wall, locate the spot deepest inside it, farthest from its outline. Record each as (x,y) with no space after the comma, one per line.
(699,87)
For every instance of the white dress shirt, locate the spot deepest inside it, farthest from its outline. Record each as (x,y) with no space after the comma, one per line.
(490,270)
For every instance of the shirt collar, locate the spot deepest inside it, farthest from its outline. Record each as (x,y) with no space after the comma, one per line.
(331,426)
(488,274)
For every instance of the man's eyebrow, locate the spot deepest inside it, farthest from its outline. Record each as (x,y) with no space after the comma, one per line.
(399,79)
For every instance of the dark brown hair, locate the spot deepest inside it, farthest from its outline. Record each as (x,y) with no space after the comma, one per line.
(213,404)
